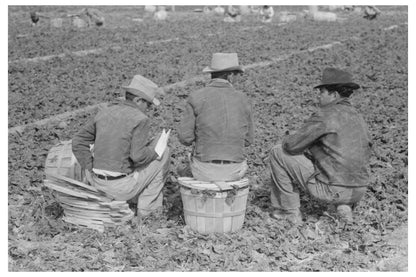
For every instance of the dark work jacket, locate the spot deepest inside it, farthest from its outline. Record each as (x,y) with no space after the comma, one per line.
(120,135)
(337,141)
(218,119)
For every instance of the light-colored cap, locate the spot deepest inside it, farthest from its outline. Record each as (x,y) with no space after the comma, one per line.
(143,87)
(223,62)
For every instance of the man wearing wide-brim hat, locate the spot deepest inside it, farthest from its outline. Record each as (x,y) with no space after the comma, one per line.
(123,163)
(218,122)
(327,157)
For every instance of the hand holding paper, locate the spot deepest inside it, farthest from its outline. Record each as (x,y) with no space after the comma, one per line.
(162,143)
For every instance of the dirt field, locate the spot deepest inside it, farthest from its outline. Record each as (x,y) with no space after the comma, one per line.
(57,76)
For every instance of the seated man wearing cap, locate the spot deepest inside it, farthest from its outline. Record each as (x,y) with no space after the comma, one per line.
(327,157)
(122,163)
(218,121)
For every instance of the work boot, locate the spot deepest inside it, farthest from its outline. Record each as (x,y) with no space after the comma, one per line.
(344,213)
(293,216)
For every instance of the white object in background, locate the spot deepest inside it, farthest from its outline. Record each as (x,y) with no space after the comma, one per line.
(160,15)
(286,17)
(313,9)
(324,16)
(244,10)
(219,10)
(162,143)
(150,8)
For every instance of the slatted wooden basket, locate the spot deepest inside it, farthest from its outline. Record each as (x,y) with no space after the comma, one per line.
(83,205)
(86,206)
(214,207)
(61,161)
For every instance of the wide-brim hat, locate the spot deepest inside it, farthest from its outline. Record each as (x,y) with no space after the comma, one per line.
(223,62)
(333,76)
(144,88)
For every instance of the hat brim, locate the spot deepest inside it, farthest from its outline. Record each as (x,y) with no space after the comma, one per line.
(233,68)
(139,93)
(351,85)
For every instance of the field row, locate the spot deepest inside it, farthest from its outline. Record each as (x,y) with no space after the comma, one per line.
(38,91)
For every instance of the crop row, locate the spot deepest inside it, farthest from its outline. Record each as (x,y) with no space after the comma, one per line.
(39,90)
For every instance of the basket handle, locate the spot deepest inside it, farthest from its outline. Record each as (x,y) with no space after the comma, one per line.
(221,185)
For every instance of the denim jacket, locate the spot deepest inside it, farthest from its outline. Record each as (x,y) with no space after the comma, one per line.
(120,135)
(337,141)
(218,119)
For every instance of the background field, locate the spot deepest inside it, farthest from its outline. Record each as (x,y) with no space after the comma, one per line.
(49,74)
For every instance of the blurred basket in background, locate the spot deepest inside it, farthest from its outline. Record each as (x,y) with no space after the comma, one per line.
(56,22)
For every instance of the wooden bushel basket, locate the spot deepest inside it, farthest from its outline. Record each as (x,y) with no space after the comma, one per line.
(61,161)
(214,207)
(83,204)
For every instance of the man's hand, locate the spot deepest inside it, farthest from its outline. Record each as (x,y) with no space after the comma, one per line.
(153,141)
(307,154)
(87,176)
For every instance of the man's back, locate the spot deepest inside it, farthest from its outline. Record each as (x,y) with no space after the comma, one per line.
(338,141)
(113,136)
(118,133)
(222,124)
(346,147)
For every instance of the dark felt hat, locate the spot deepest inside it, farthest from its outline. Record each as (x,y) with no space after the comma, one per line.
(333,76)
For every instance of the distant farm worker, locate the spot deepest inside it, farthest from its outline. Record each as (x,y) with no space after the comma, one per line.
(371,12)
(327,157)
(89,15)
(232,14)
(218,122)
(123,163)
(34,17)
(267,13)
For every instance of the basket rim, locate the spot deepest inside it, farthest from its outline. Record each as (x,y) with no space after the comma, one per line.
(217,188)
(212,189)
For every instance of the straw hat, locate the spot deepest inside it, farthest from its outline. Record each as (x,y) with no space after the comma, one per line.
(223,62)
(142,87)
(333,76)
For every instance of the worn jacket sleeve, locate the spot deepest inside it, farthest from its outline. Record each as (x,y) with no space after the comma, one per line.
(140,153)
(186,130)
(311,130)
(81,145)
(249,139)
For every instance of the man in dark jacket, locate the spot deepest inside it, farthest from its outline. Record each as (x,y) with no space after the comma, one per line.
(123,163)
(327,156)
(218,121)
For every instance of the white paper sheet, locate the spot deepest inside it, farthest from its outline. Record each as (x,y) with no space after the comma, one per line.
(162,143)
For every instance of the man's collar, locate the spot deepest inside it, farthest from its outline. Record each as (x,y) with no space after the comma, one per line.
(217,82)
(341,101)
(130,103)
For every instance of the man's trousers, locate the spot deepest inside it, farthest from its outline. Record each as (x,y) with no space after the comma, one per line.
(290,173)
(143,186)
